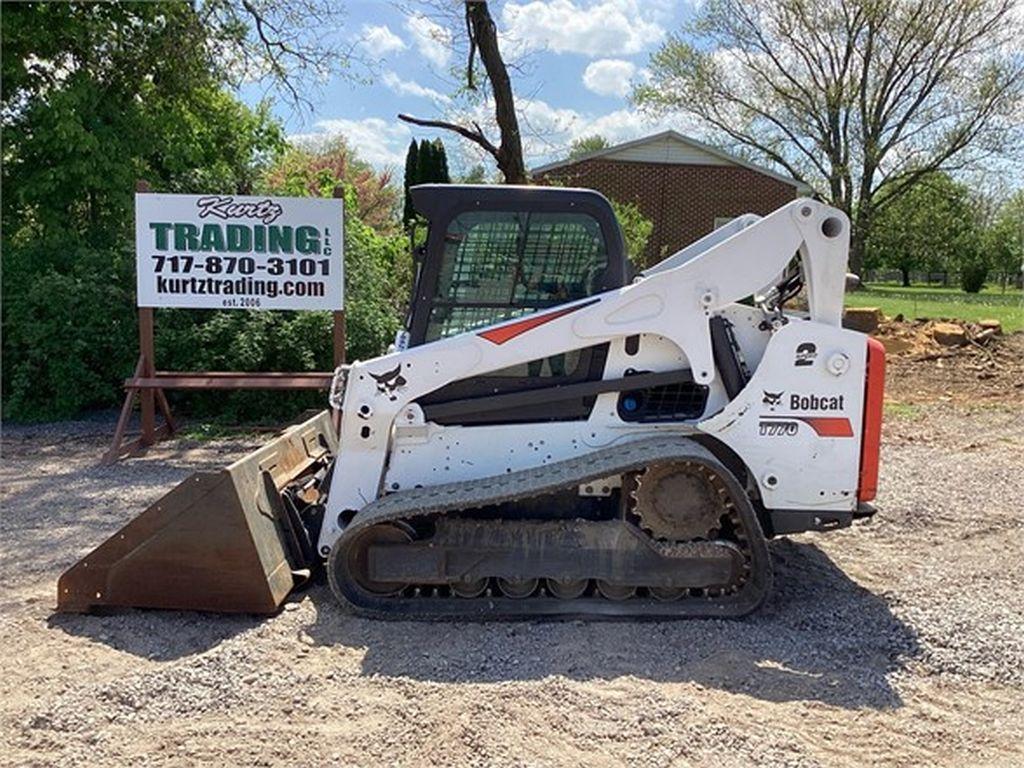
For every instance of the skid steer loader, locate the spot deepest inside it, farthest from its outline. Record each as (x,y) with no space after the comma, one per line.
(551,436)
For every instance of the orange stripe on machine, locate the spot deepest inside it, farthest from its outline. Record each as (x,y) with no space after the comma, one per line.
(829,426)
(509,331)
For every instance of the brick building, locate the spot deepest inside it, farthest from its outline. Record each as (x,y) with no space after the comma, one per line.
(684,187)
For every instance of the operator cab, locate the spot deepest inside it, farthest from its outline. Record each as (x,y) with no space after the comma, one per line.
(500,251)
(494,253)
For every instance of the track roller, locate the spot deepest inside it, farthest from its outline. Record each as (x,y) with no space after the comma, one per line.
(667,594)
(469,588)
(566,589)
(518,589)
(615,591)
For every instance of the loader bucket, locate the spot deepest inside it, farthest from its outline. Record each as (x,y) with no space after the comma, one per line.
(219,541)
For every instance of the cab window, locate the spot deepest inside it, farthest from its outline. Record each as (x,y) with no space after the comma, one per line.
(498,265)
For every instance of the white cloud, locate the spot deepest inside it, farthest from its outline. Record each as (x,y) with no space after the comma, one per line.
(412,88)
(548,131)
(595,28)
(379,39)
(627,124)
(609,77)
(432,41)
(618,126)
(545,129)
(378,142)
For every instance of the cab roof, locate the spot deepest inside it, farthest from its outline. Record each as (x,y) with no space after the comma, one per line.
(434,201)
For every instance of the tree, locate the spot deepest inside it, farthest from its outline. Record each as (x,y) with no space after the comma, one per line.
(483,39)
(409,180)
(289,45)
(293,45)
(586,145)
(860,99)
(308,170)
(431,164)
(931,226)
(97,96)
(425,163)
(475,175)
(1004,239)
(441,175)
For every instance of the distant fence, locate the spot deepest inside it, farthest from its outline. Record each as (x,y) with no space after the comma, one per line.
(992,299)
(943,279)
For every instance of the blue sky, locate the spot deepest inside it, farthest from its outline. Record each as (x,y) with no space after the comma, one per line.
(575,60)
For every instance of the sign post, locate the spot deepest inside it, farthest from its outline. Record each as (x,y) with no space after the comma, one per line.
(228,252)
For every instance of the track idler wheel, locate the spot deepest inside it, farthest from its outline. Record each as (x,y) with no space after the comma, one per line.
(351,565)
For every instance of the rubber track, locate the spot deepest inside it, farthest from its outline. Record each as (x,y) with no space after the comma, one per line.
(513,486)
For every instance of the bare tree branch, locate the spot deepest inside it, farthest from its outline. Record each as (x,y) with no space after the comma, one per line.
(476,136)
(484,40)
(472,55)
(292,46)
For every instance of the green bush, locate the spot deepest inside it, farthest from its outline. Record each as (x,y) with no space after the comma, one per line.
(972,276)
(636,230)
(138,99)
(69,336)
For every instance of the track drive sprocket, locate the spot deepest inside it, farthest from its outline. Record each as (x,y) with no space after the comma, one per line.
(678,501)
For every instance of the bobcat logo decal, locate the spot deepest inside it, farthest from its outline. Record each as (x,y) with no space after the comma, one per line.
(389,382)
(771,399)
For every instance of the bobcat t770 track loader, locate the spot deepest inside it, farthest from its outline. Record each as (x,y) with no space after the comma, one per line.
(553,436)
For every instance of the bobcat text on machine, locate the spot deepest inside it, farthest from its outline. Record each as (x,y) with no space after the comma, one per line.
(552,437)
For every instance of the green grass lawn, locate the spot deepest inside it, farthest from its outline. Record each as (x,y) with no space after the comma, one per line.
(936,302)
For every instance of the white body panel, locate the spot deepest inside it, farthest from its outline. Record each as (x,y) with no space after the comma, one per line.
(385,443)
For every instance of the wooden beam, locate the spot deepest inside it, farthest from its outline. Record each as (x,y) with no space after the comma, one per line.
(241,381)
(338,337)
(243,374)
(147,351)
(114,452)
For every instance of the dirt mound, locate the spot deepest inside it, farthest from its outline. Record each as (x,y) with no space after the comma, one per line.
(951,360)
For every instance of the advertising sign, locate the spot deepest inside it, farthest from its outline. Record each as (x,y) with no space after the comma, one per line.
(239,252)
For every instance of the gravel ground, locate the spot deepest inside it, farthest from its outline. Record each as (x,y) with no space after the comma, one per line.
(899,641)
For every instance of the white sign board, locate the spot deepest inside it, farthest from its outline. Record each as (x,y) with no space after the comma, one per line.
(239,252)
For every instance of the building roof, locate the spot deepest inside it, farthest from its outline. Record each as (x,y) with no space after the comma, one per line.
(675,148)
